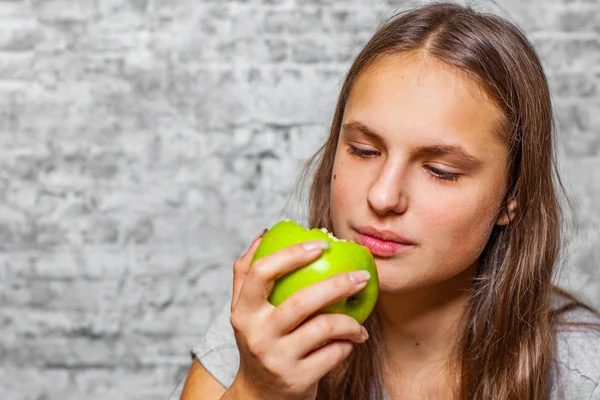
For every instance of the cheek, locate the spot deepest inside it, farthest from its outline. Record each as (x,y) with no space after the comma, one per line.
(347,192)
(341,189)
(461,229)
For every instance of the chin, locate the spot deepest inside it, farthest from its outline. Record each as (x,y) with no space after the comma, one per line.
(394,286)
(394,278)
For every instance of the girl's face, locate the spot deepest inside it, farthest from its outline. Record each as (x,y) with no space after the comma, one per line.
(417,157)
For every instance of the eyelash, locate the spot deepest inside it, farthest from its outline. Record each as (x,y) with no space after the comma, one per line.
(435,173)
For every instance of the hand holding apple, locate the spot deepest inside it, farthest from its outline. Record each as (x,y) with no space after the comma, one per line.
(285,350)
(342,256)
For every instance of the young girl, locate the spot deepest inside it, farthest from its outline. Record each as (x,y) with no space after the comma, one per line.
(440,160)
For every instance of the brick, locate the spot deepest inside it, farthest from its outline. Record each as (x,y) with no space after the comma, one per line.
(321,2)
(64,11)
(16,66)
(294,20)
(9,117)
(169,321)
(583,145)
(576,116)
(14,9)
(213,22)
(566,54)
(19,35)
(576,85)
(59,353)
(38,386)
(326,49)
(353,20)
(259,50)
(531,18)
(112,7)
(110,381)
(576,123)
(102,41)
(61,294)
(14,226)
(46,323)
(306,140)
(288,96)
(580,20)
(26,264)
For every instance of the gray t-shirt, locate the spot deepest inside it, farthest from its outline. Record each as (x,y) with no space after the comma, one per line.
(578,356)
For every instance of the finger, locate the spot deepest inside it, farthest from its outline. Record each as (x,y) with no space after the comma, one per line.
(324,328)
(307,301)
(321,361)
(241,267)
(260,279)
(250,252)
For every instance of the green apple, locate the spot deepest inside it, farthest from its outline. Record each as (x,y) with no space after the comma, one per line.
(342,256)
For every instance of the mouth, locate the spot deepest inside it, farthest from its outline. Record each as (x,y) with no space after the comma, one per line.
(383,243)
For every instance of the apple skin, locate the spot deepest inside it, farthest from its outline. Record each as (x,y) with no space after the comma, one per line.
(342,256)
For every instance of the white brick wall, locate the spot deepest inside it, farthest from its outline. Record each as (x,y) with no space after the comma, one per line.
(143,143)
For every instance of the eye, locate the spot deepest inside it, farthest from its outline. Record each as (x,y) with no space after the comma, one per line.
(361,153)
(442,175)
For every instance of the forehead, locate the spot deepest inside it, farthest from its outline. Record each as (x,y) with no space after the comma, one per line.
(411,98)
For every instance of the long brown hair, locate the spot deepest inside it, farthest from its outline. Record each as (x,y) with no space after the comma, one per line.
(508,337)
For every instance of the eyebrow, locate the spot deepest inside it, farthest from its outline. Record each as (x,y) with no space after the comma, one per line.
(435,149)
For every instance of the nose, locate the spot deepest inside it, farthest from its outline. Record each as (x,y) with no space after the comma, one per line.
(389,191)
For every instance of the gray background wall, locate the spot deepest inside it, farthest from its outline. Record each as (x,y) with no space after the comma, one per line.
(143,143)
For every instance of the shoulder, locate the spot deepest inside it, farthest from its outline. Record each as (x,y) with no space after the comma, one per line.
(217,350)
(578,355)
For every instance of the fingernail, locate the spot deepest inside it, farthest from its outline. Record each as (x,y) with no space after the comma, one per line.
(359,276)
(316,245)
(261,234)
(364,332)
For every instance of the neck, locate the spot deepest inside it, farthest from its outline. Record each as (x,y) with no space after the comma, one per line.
(420,328)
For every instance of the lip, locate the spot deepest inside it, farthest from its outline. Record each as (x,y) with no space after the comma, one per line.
(383,242)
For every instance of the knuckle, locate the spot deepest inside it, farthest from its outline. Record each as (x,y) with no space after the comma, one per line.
(236,321)
(342,284)
(324,326)
(233,321)
(237,265)
(297,248)
(295,303)
(358,329)
(351,327)
(342,350)
(259,271)
(288,355)
(293,386)
(271,362)
(256,349)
